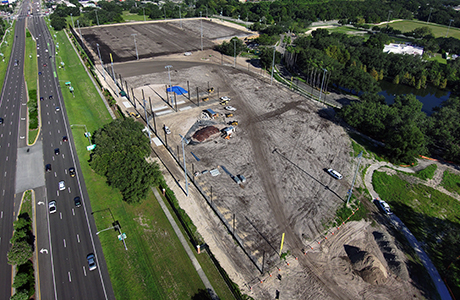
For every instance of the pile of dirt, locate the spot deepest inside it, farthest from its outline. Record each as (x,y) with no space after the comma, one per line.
(204,133)
(390,253)
(369,267)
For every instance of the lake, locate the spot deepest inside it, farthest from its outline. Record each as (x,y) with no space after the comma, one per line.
(430,97)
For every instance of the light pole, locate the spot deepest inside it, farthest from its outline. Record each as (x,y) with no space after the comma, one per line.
(389,12)
(201,24)
(322,84)
(221,18)
(273,64)
(71,17)
(234,52)
(169,75)
(180,18)
(100,58)
(450,22)
(164,8)
(429,16)
(354,178)
(78,23)
(185,166)
(135,45)
(143,8)
(97,18)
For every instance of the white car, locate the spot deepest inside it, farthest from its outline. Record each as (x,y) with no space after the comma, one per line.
(188,53)
(384,207)
(335,174)
(230,108)
(167,130)
(52,206)
(225,98)
(61,185)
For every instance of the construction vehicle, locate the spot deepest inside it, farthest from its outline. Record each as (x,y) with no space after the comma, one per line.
(211,90)
(233,123)
(224,103)
(205,99)
(229,115)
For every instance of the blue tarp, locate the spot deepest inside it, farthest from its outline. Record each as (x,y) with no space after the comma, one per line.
(177,89)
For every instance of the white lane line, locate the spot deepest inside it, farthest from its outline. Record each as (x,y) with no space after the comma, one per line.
(73,211)
(59,131)
(60,214)
(62,155)
(84,270)
(3,192)
(53,158)
(57,192)
(7,158)
(65,246)
(69,190)
(1,215)
(8,145)
(5,174)
(78,238)
(70,278)
(55,175)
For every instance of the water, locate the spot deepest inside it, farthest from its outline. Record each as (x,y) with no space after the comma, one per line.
(430,97)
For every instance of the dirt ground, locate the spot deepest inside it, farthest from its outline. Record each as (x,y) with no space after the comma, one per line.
(282,145)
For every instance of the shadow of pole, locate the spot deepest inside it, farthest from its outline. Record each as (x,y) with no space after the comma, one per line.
(271,246)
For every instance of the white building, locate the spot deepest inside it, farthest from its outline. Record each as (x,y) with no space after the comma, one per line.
(405,48)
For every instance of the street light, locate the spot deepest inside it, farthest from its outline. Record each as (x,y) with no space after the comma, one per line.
(185,166)
(78,23)
(273,64)
(234,52)
(100,58)
(135,45)
(431,9)
(97,18)
(73,26)
(350,192)
(322,84)
(201,23)
(450,22)
(180,18)
(169,75)
(388,21)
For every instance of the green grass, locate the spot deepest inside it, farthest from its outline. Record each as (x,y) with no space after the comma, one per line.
(6,50)
(128,17)
(438,30)
(26,206)
(427,173)
(451,182)
(30,76)
(437,57)
(155,265)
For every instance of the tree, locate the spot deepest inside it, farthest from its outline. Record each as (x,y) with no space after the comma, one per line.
(120,156)
(58,23)
(19,253)
(20,280)
(20,295)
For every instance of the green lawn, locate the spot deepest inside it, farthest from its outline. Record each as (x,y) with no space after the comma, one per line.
(5,49)
(451,182)
(155,265)
(127,16)
(30,74)
(438,30)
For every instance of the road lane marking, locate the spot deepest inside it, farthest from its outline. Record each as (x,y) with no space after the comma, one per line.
(78,238)
(7,158)
(65,246)
(84,270)
(55,175)
(73,211)
(57,192)
(60,214)
(5,174)
(69,190)
(1,214)
(70,278)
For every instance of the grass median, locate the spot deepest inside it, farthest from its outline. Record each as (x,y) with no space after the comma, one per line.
(5,49)
(155,265)
(30,77)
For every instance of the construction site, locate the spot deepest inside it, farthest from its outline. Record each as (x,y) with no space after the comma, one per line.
(257,156)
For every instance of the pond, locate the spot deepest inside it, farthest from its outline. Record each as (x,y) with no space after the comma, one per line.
(430,97)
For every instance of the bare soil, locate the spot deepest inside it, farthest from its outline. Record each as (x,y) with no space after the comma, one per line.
(283,146)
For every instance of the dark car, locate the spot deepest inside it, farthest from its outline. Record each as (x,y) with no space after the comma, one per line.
(41,98)
(72,172)
(57,151)
(48,168)
(91,261)
(39,73)
(50,97)
(77,201)
(65,139)
(1,121)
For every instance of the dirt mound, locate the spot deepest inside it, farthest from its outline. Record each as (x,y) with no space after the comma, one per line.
(369,267)
(204,133)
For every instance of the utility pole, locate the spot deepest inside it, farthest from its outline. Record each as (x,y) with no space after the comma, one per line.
(322,83)
(143,8)
(71,17)
(429,16)
(146,118)
(180,18)
(135,45)
(273,64)
(234,52)
(201,24)
(450,22)
(388,20)
(78,23)
(350,192)
(100,58)
(169,75)
(97,18)
(185,166)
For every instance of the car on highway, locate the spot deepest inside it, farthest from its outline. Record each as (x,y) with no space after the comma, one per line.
(91,261)
(134,115)
(44,65)
(50,97)
(1,121)
(41,98)
(335,174)
(48,168)
(52,207)
(15,62)
(230,108)
(65,138)
(383,207)
(57,151)
(72,172)
(225,98)
(77,201)
(58,108)
(61,185)
(167,130)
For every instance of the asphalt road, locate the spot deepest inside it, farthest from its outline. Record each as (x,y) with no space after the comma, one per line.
(11,106)
(64,244)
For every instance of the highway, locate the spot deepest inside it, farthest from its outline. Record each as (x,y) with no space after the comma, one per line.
(66,237)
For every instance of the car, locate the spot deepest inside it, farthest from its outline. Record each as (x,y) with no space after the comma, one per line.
(65,138)
(72,172)
(15,62)
(61,185)
(228,115)
(205,99)
(41,98)
(383,207)
(58,108)
(40,73)
(230,108)
(167,130)
(225,98)
(1,121)
(46,50)
(52,207)
(91,261)
(134,115)
(44,65)
(48,168)
(335,174)
(188,53)
(50,97)
(57,151)
(77,201)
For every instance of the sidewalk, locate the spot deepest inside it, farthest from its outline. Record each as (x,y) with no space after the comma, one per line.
(184,243)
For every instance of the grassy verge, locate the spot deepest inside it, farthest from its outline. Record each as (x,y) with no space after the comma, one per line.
(451,182)
(438,30)
(5,49)
(431,216)
(128,17)
(30,76)
(427,173)
(155,265)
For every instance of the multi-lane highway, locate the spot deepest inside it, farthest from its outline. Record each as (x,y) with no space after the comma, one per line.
(63,238)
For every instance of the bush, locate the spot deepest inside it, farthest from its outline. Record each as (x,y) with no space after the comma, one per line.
(427,173)
(33,110)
